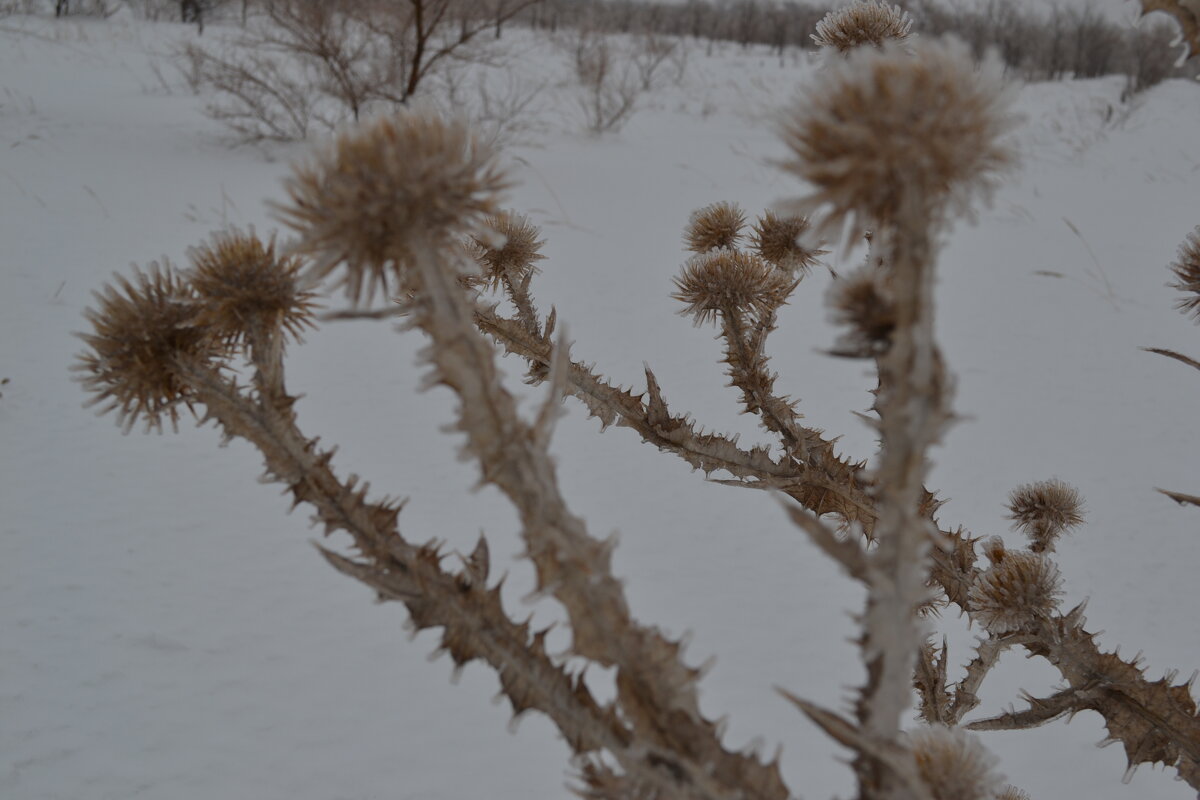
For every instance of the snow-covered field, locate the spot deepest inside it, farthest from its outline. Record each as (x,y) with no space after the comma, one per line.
(166,631)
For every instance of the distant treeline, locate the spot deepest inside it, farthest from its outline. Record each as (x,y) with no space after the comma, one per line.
(1048,44)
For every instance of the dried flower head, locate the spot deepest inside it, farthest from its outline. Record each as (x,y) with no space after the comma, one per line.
(871,22)
(862,302)
(1012,793)
(399,183)
(777,239)
(886,131)
(1186,269)
(140,331)
(1044,511)
(1020,590)
(954,764)
(714,227)
(993,548)
(731,282)
(242,283)
(510,247)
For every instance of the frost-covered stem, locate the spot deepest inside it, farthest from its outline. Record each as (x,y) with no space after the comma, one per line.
(826,484)
(266,353)
(1156,721)
(522,300)
(748,371)
(966,691)
(474,621)
(655,690)
(912,411)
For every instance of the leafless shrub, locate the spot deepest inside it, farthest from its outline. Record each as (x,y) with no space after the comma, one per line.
(608,82)
(260,95)
(311,61)
(649,54)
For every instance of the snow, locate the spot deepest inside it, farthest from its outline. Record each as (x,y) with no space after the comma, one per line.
(166,631)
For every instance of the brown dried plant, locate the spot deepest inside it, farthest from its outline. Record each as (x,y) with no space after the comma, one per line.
(1186,269)
(715,227)
(863,22)
(389,209)
(1044,511)
(885,133)
(778,239)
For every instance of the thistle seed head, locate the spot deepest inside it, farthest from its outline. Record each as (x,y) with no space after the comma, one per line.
(777,239)
(242,283)
(886,131)
(862,302)
(410,181)
(954,764)
(1020,590)
(730,282)
(1012,793)
(510,247)
(1186,269)
(863,22)
(140,330)
(714,227)
(993,548)
(1045,511)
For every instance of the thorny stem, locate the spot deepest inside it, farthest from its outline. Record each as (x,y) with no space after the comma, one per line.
(966,691)
(747,369)
(475,623)
(911,406)
(836,487)
(655,690)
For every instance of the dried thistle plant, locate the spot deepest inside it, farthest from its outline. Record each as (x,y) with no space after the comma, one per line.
(1012,793)
(777,238)
(899,140)
(954,764)
(508,251)
(862,303)
(730,282)
(383,190)
(141,329)
(863,22)
(1019,591)
(715,227)
(886,130)
(1186,269)
(1044,511)
(242,284)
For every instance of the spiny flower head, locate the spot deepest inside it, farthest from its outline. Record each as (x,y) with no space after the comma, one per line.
(1012,793)
(510,247)
(714,227)
(1044,511)
(731,282)
(140,330)
(777,239)
(993,547)
(1186,269)
(1019,590)
(243,283)
(409,181)
(863,22)
(862,302)
(888,131)
(954,764)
